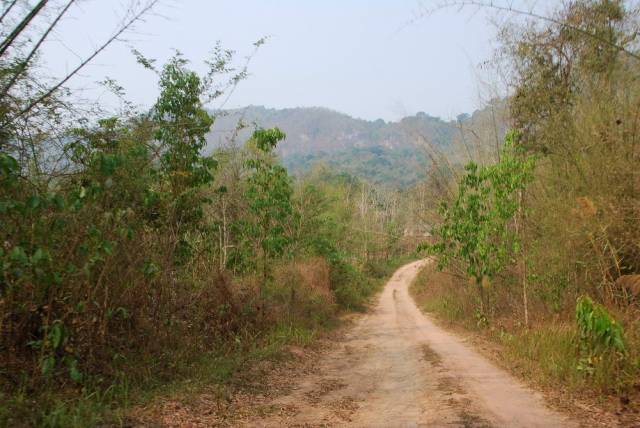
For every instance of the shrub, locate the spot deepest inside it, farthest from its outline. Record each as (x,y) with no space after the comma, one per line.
(600,336)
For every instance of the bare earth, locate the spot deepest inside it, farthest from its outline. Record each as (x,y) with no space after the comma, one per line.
(396,368)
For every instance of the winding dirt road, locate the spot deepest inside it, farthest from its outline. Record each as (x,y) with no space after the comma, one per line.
(396,368)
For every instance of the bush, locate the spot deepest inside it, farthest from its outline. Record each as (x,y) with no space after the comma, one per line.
(301,291)
(600,336)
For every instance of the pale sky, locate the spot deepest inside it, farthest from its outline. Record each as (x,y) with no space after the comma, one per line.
(366,58)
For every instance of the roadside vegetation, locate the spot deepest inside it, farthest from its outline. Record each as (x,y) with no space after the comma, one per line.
(541,241)
(136,261)
(131,260)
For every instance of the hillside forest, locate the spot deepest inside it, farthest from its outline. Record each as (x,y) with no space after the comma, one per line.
(184,241)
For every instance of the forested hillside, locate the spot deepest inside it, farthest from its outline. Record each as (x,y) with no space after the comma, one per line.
(391,153)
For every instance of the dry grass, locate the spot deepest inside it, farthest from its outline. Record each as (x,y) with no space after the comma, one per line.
(217,329)
(545,354)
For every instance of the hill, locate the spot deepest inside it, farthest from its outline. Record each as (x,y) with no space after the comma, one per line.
(381,152)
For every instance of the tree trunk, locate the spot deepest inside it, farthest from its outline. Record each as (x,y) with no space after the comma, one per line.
(523,256)
(264,269)
(481,292)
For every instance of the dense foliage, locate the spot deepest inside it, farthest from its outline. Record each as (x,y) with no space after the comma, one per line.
(567,229)
(126,251)
(480,226)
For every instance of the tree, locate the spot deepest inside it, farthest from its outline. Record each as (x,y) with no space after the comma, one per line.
(268,195)
(478,226)
(182,127)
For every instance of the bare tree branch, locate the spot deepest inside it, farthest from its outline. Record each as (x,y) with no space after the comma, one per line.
(6,43)
(39,100)
(460,4)
(7,10)
(25,63)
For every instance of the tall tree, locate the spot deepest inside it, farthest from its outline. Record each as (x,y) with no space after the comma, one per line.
(269,198)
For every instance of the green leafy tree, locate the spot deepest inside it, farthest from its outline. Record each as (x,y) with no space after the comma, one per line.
(182,124)
(269,197)
(477,227)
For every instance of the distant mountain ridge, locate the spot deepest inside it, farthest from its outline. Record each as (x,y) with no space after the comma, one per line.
(378,151)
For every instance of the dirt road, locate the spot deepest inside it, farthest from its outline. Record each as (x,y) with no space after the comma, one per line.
(396,368)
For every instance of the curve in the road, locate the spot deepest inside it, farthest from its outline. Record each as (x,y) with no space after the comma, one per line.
(398,368)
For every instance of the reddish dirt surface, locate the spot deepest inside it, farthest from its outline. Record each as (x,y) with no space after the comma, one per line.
(397,368)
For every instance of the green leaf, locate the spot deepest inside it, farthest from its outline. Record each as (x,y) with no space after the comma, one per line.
(47,365)
(107,247)
(33,202)
(8,164)
(18,255)
(74,372)
(57,334)
(39,256)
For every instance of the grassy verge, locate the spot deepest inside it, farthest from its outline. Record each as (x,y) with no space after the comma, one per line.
(545,354)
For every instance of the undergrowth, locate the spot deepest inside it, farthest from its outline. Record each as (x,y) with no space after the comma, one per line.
(547,353)
(96,405)
(145,378)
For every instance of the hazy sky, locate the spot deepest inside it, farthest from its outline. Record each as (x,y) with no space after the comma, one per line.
(362,57)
